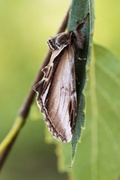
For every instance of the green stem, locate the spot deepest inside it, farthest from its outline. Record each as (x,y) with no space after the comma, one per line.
(12,134)
(9,140)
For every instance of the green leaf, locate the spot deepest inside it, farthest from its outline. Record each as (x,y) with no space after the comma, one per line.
(98,156)
(79,10)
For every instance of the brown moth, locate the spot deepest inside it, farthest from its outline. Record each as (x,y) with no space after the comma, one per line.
(56,92)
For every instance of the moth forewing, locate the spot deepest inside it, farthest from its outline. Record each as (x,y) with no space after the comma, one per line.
(59,102)
(62,96)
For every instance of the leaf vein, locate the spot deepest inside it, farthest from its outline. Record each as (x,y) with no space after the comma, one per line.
(108,73)
(109,100)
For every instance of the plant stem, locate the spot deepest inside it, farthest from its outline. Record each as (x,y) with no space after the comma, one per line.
(9,140)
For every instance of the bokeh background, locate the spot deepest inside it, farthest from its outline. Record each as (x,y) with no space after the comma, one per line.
(25,27)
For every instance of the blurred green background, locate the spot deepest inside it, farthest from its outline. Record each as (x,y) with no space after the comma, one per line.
(25,27)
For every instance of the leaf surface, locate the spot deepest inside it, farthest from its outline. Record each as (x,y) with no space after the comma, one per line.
(98,156)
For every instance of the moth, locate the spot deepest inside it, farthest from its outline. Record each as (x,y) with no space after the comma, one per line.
(56,92)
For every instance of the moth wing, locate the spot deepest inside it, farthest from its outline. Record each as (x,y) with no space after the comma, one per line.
(41,88)
(58,99)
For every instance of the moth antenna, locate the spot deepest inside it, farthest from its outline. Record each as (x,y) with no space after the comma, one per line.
(80,26)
